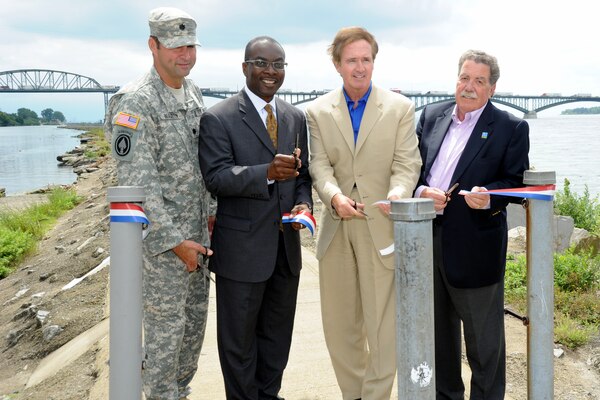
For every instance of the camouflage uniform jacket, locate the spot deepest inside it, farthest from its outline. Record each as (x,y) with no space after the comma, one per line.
(154,139)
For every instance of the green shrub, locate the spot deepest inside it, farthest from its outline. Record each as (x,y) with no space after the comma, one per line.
(90,154)
(584,307)
(29,221)
(576,293)
(516,274)
(568,332)
(576,272)
(20,230)
(100,146)
(13,246)
(584,209)
(515,283)
(63,200)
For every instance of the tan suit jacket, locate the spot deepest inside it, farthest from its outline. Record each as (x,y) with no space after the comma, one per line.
(384,162)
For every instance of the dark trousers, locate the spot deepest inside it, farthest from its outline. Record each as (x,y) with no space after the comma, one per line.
(254,331)
(481,311)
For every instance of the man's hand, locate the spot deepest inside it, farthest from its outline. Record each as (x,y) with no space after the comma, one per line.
(437,195)
(345,207)
(387,208)
(283,167)
(188,251)
(297,208)
(476,200)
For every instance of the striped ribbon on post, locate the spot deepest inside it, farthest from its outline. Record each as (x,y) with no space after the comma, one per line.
(128,212)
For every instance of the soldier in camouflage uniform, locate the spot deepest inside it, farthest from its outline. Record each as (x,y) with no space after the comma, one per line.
(153,124)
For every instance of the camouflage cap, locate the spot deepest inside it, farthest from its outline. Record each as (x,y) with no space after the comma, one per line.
(173,27)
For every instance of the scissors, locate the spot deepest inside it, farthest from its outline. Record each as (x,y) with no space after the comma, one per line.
(358,209)
(449,192)
(203,266)
(296,160)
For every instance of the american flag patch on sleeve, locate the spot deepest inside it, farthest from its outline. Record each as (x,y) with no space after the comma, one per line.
(127,120)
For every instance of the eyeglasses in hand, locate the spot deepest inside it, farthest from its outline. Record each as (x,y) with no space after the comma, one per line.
(265,64)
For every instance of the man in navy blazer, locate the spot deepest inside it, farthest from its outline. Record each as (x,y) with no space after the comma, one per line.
(256,178)
(471,143)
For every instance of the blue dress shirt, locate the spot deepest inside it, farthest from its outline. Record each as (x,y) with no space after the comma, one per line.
(356,113)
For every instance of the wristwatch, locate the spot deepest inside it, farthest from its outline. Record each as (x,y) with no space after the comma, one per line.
(307,205)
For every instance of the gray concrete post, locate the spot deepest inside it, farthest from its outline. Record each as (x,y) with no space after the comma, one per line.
(540,291)
(413,250)
(125,355)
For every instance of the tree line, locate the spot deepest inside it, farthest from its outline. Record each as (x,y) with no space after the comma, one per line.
(25,116)
(581,110)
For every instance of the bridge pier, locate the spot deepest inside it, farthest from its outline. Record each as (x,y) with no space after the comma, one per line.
(530,115)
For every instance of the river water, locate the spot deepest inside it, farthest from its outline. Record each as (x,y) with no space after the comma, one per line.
(568,145)
(28,157)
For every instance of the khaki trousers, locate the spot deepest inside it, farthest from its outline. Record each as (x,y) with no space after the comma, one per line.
(358,311)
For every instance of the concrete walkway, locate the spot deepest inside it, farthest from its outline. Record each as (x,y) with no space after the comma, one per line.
(308,376)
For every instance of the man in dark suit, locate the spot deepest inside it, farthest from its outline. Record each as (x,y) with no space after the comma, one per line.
(470,142)
(253,155)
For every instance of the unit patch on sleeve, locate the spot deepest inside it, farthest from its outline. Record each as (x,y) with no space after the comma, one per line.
(127,120)
(123,145)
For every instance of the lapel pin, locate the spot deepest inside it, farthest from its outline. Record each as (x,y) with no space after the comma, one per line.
(484,135)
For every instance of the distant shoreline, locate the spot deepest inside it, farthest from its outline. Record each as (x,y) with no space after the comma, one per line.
(581,111)
(37,195)
(81,126)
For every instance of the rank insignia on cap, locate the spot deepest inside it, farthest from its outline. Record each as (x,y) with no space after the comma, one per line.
(127,120)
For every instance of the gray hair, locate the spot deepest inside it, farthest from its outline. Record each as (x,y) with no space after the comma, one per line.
(481,57)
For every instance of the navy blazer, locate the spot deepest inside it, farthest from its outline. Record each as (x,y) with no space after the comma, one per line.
(495,156)
(235,151)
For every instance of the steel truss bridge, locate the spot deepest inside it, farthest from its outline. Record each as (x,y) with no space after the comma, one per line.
(49,81)
(528,105)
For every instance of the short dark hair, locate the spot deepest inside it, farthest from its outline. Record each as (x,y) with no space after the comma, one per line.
(257,39)
(481,57)
(156,40)
(348,35)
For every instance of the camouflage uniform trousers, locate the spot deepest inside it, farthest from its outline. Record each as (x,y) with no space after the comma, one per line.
(175,313)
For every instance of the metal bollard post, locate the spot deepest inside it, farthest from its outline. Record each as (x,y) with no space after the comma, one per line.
(125,377)
(540,291)
(415,348)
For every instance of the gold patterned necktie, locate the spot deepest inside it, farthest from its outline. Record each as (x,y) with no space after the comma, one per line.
(271,124)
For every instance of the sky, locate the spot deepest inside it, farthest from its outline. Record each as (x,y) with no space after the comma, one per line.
(542,46)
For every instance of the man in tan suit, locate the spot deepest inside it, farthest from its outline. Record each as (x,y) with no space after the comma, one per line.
(363,149)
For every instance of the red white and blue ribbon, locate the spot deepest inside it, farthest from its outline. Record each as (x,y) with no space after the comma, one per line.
(303,217)
(128,212)
(543,192)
